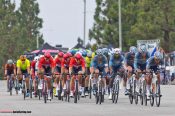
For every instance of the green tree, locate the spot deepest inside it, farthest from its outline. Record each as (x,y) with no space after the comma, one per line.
(105,28)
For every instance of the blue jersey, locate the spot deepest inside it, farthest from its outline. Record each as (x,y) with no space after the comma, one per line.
(140,59)
(116,62)
(152,63)
(129,59)
(96,63)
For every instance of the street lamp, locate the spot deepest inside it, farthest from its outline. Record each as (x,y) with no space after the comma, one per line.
(84,42)
(120,25)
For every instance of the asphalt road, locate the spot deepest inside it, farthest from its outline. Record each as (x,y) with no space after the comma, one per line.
(85,107)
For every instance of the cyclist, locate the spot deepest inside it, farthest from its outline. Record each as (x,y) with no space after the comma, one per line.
(46,66)
(77,66)
(10,69)
(88,60)
(99,65)
(23,68)
(129,62)
(57,71)
(140,62)
(65,69)
(153,63)
(115,65)
(34,71)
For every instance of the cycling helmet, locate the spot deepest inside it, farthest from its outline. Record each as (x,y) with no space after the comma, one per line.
(99,52)
(36,58)
(73,51)
(105,51)
(60,54)
(78,56)
(47,55)
(158,55)
(143,48)
(89,54)
(117,51)
(10,61)
(22,57)
(65,56)
(84,54)
(70,55)
(133,49)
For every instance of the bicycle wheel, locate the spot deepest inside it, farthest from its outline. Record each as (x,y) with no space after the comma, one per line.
(45,92)
(117,91)
(24,90)
(131,94)
(60,91)
(76,92)
(96,97)
(90,89)
(68,91)
(158,96)
(10,86)
(100,93)
(144,93)
(30,88)
(16,86)
(113,93)
(152,98)
(135,93)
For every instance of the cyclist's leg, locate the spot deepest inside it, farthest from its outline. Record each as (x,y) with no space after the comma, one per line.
(87,80)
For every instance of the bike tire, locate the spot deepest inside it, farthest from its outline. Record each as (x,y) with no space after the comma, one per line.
(30,88)
(144,93)
(117,91)
(90,89)
(10,86)
(76,92)
(158,96)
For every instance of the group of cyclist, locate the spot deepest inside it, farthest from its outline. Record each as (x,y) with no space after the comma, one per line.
(105,62)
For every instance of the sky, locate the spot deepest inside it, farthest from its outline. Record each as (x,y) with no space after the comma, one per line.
(64,20)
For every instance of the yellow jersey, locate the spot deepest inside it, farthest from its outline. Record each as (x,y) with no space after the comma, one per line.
(23,66)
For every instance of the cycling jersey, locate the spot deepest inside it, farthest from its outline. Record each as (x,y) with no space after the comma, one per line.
(43,63)
(151,64)
(57,62)
(140,60)
(129,59)
(116,62)
(23,66)
(10,68)
(74,63)
(100,64)
(88,61)
(65,63)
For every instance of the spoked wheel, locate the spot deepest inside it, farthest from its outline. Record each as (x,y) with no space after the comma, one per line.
(136,99)
(30,88)
(113,97)
(90,90)
(135,93)
(144,93)
(131,94)
(45,93)
(158,95)
(39,93)
(24,91)
(117,91)
(60,91)
(10,86)
(97,97)
(76,92)
(16,86)
(100,93)
(151,99)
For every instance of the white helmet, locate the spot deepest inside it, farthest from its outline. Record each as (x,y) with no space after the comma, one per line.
(36,58)
(117,51)
(89,54)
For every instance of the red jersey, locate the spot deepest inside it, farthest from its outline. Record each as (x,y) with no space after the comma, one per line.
(74,63)
(44,62)
(33,64)
(65,62)
(57,62)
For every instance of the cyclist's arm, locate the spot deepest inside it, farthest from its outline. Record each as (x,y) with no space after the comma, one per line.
(28,66)
(14,70)
(5,69)
(136,61)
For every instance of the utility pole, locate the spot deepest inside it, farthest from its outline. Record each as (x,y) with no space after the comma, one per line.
(120,24)
(84,42)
